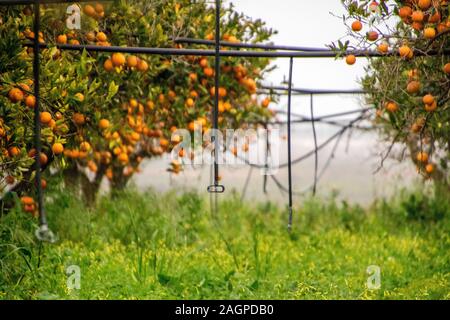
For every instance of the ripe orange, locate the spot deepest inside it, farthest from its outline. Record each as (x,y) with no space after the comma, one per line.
(193,94)
(43,159)
(132,61)
(57,148)
(123,158)
(190,102)
(422,157)
(265,103)
(405,12)
(435,18)
(404,51)
(79,119)
(193,77)
(142,66)
(61,39)
(428,99)
(108,65)
(118,59)
(27,200)
(222,92)
(85,146)
(101,36)
(43,183)
(30,101)
(103,124)
(15,95)
(13,152)
(431,107)
(350,59)
(357,26)
(204,63)
(209,72)
(429,33)
(429,168)
(383,47)
(417,26)
(372,35)
(45,117)
(413,87)
(392,106)
(424,4)
(79,96)
(89,10)
(90,36)
(417,16)
(446,68)
(99,8)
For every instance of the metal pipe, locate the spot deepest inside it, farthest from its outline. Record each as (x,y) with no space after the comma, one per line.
(315,91)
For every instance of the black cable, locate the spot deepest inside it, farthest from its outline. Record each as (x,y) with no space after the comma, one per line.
(316,151)
(291,63)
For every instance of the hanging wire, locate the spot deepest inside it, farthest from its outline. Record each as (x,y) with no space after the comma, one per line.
(291,63)
(316,151)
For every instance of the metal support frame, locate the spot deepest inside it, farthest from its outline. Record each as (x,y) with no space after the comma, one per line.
(290,52)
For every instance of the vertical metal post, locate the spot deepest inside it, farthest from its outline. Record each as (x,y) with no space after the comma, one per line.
(43,233)
(316,153)
(216,188)
(291,63)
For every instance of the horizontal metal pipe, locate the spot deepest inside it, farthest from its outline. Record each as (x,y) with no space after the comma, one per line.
(223,53)
(23,2)
(315,91)
(249,45)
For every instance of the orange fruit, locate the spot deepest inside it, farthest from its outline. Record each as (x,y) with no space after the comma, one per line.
(209,72)
(30,101)
(57,148)
(383,47)
(61,39)
(265,103)
(422,157)
(189,102)
(204,62)
(431,107)
(417,16)
(446,68)
(79,119)
(43,159)
(193,94)
(13,151)
(101,36)
(142,66)
(15,95)
(413,87)
(43,183)
(193,77)
(79,96)
(123,158)
(108,65)
(27,200)
(405,12)
(90,36)
(429,168)
(429,33)
(85,146)
(424,4)
(428,99)
(435,18)
(372,35)
(132,61)
(392,106)
(350,59)
(103,124)
(45,117)
(118,59)
(404,51)
(357,26)
(99,8)
(89,10)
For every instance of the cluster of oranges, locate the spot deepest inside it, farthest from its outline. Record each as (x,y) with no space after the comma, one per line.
(118,61)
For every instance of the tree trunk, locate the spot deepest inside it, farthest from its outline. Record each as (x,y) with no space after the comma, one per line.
(89,188)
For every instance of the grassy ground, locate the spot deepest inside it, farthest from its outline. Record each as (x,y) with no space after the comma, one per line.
(149,246)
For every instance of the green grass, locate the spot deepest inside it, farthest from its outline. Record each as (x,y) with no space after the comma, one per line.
(150,246)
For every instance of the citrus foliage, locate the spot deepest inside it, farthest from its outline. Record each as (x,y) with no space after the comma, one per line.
(107,112)
(410,89)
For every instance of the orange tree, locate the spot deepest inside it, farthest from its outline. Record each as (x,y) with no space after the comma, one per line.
(411,87)
(102,114)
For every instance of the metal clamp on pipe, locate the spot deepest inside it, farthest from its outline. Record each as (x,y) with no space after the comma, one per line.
(43,233)
(216,188)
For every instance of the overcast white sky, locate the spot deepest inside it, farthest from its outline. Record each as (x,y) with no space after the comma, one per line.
(309,23)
